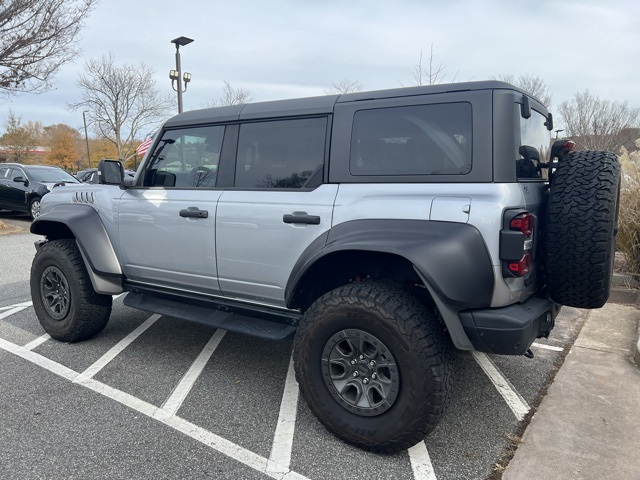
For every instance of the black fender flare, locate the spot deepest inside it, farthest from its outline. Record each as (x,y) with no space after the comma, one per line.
(452,257)
(91,236)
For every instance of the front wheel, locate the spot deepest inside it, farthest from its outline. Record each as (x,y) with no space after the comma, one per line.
(34,207)
(63,297)
(374,366)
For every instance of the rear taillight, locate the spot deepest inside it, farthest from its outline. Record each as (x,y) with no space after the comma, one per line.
(517,243)
(522,223)
(521,267)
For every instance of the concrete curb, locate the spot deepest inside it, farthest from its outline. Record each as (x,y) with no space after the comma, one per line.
(625,280)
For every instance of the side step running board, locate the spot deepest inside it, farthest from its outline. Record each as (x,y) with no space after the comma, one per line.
(232,322)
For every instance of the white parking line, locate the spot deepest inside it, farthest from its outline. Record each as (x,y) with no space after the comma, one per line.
(547,347)
(421,462)
(116,349)
(37,342)
(174,402)
(280,458)
(11,309)
(23,304)
(39,360)
(514,400)
(222,445)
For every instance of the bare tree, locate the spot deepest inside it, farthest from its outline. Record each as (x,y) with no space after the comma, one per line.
(231,96)
(122,101)
(532,84)
(343,86)
(36,38)
(430,74)
(597,124)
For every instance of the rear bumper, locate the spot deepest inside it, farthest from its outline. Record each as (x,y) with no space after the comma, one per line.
(510,330)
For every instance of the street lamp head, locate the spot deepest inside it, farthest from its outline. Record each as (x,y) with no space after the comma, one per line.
(186,77)
(174,75)
(181,41)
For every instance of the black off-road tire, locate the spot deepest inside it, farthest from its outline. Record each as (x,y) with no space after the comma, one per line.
(64,300)
(408,333)
(581,227)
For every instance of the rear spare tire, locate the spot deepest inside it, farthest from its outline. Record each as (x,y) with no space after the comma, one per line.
(582,224)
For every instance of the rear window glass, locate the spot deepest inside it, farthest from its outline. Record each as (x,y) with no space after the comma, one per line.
(414,140)
(534,144)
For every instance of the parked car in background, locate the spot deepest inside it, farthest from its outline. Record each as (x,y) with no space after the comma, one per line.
(23,186)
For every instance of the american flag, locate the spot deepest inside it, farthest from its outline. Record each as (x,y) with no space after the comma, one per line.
(144,146)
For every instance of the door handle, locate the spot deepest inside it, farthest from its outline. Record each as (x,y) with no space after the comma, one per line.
(194,212)
(301,217)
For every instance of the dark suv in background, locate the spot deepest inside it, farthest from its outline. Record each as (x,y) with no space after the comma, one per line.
(22,186)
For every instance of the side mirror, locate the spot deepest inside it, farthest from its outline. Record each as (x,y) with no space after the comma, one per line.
(525,107)
(127,182)
(21,179)
(110,172)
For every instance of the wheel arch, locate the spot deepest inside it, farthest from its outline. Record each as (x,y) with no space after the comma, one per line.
(451,257)
(332,269)
(82,223)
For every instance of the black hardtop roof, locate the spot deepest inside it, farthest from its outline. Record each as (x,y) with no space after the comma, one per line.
(319,105)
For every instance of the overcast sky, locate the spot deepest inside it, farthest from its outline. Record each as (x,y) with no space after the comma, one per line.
(286,49)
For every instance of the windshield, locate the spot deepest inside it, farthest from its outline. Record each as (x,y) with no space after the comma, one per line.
(51,175)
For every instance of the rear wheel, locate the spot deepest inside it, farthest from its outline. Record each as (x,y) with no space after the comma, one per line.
(581,227)
(374,365)
(64,300)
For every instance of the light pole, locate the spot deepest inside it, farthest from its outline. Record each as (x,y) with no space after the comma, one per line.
(558,131)
(86,137)
(176,75)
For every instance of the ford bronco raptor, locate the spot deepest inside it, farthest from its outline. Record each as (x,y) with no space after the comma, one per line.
(381,228)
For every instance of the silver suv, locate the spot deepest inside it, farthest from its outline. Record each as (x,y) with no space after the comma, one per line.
(381,228)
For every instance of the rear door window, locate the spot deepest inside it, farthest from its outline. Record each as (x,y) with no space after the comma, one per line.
(281,154)
(413,140)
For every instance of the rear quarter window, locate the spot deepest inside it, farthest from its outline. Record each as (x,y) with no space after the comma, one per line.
(533,144)
(412,140)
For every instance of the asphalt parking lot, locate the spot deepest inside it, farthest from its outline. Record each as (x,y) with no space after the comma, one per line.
(157,397)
